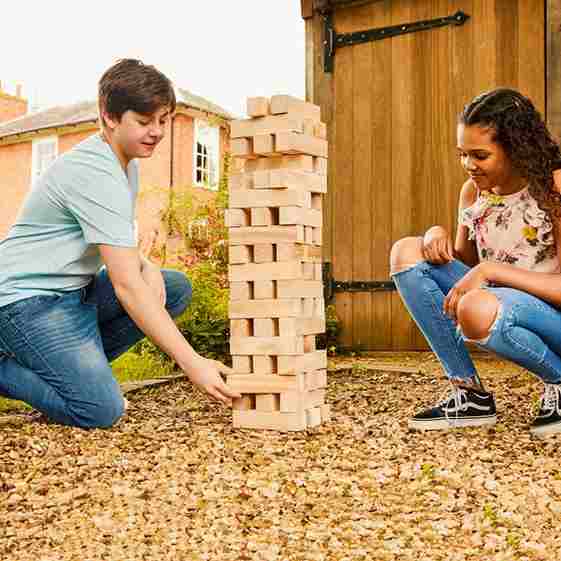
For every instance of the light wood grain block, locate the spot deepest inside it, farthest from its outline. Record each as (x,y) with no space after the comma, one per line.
(320,130)
(289,179)
(272,234)
(316,380)
(308,307)
(299,288)
(308,271)
(301,326)
(300,252)
(293,162)
(320,165)
(255,198)
(317,236)
(262,216)
(325,410)
(257,107)
(309,343)
(266,271)
(313,417)
(263,253)
(298,401)
(292,105)
(267,402)
(265,327)
(242,364)
(265,383)
(240,180)
(237,217)
(263,364)
(267,345)
(295,143)
(317,201)
(318,271)
(308,235)
(264,144)
(270,124)
(265,290)
(245,403)
(242,148)
(282,422)
(269,308)
(240,254)
(297,215)
(310,362)
(309,127)
(241,291)
(241,328)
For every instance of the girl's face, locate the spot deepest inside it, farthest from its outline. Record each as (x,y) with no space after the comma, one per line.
(485,161)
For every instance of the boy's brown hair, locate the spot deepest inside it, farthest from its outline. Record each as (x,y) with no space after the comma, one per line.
(132,85)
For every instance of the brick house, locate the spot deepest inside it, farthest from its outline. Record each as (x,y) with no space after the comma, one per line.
(190,156)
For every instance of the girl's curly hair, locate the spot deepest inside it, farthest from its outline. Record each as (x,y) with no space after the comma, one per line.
(520,130)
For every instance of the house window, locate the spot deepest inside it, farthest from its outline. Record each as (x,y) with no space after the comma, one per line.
(43,153)
(206,155)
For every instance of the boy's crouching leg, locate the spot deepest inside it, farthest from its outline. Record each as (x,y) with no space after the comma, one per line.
(179,291)
(102,411)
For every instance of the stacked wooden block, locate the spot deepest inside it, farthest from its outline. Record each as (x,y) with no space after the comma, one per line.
(276,289)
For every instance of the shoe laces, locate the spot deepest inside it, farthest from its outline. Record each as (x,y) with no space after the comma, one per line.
(459,396)
(550,398)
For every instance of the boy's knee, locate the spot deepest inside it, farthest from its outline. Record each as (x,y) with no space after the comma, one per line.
(179,292)
(406,252)
(102,414)
(477,312)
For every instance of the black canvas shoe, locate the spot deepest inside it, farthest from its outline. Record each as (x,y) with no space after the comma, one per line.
(462,408)
(548,420)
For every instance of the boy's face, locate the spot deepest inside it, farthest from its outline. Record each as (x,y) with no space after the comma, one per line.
(137,135)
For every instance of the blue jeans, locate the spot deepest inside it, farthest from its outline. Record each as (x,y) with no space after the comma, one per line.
(55,349)
(527,330)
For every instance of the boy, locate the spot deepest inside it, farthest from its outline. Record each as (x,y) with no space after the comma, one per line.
(62,319)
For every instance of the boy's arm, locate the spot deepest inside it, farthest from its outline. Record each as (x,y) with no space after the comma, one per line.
(141,303)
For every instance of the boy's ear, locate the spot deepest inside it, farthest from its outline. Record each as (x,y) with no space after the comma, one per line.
(110,122)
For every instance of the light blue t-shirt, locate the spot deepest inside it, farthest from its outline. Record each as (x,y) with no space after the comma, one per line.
(83,199)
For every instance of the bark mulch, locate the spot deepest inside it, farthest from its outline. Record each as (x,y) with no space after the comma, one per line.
(174,481)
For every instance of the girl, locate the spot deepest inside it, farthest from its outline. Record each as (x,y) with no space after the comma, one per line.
(499,284)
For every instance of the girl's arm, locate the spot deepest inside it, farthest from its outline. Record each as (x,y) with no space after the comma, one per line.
(465,249)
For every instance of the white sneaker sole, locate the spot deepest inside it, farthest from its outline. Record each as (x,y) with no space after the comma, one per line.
(546,430)
(448,424)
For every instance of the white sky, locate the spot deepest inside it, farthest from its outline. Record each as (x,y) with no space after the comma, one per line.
(223,50)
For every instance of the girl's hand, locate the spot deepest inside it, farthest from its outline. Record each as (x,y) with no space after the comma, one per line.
(437,246)
(155,280)
(206,375)
(476,278)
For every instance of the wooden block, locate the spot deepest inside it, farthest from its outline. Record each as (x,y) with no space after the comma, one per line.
(263,253)
(298,401)
(264,327)
(242,148)
(288,104)
(252,235)
(309,343)
(265,383)
(318,271)
(264,144)
(266,271)
(269,125)
(316,202)
(302,289)
(320,130)
(300,326)
(237,217)
(308,235)
(296,215)
(316,236)
(267,402)
(316,380)
(257,107)
(295,143)
(293,252)
(313,417)
(308,271)
(241,328)
(265,290)
(310,362)
(309,127)
(265,308)
(263,364)
(308,307)
(293,162)
(262,216)
(289,179)
(282,422)
(238,254)
(320,165)
(267,346)
(241,291)
(325,410)
(240,180)
(255,198)
(242,364)
(244,403)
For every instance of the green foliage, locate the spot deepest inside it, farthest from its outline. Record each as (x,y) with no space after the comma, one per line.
(328,340)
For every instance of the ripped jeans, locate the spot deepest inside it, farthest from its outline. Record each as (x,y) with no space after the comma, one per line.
(527,330)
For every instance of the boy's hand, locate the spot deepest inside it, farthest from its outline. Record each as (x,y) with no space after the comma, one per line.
(155,280)
(205,374)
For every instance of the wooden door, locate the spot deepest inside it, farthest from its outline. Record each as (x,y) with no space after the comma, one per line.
(391,108)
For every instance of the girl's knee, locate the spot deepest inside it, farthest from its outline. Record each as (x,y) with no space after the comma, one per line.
(477,312)
(406,253)
(179,292)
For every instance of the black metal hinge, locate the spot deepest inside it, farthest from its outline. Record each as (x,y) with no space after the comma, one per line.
(333,41)
(331,286)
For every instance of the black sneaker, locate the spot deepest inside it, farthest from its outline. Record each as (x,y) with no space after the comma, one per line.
(548,420)
(464,407)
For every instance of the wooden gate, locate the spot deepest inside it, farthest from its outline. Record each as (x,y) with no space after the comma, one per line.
(391,107)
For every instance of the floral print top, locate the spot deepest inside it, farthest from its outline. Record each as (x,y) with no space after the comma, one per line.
(512,229)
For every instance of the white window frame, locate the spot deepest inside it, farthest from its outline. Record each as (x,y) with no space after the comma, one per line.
(207,137)
(37,166)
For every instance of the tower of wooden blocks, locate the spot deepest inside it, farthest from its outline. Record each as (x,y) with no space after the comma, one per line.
(276,289)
